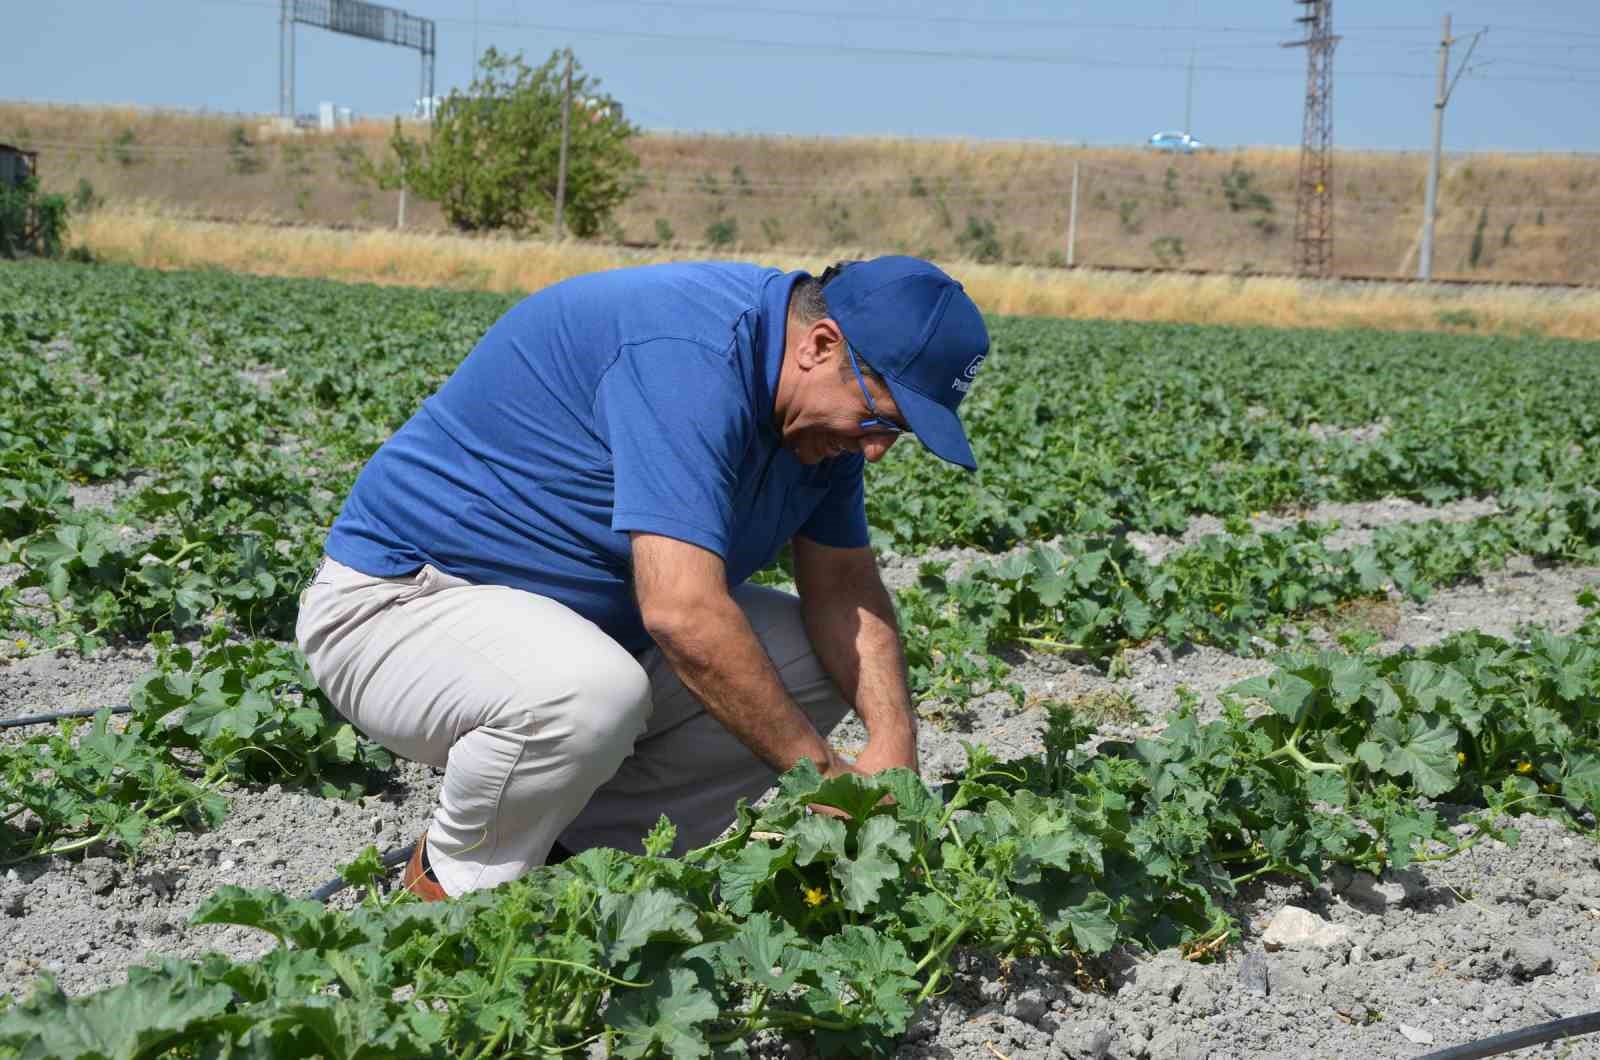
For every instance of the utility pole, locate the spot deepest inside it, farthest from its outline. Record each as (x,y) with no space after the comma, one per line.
(1430,204)
(1072,222)
(1188,99)
(566,121)
(1313,213)
(286,62)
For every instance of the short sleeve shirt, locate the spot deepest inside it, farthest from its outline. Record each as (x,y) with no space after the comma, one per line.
(632,400)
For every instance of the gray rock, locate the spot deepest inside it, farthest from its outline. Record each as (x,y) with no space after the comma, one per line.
(1546,887)
(1415,1035)
(1295,928)
(1527,958)
(1093,1042)
(99,875)
(14,900)
(1029,1006)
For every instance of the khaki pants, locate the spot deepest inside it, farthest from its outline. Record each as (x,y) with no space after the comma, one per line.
(545,727)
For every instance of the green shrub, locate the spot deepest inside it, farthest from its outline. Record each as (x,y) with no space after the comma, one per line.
(243,158)
(1168,250)
(772,230)
(1475,254)
(1127,213)
(31,223)
(121,147)
(1241,194)
(664,232)
(722,232)
(84,199)
(978,241)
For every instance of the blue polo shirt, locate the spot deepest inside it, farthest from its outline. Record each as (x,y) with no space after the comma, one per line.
(631,400)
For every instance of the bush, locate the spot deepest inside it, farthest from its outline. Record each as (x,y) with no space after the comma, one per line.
(1168,250)
(772,230)
(31,223)
(1240,191)
(722,232)
(979,241)
(664,232)
(84,199)
(1475,254)
(1127,212)
(121,147)
(494,155)
(242,155)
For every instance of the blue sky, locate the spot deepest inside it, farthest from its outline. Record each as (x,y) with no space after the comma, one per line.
(1098,73)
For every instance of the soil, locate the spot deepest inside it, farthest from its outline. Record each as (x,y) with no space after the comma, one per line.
(1493,940)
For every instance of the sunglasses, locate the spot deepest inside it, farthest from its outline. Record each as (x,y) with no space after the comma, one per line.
(877,424)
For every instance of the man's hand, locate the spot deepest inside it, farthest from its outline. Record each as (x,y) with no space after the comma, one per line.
(883,754)
(851,623)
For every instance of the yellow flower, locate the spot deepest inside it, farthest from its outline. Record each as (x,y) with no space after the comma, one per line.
(1461,758)
(1524,767)
(815,896)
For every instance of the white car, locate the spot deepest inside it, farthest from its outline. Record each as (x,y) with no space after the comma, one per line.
(1181,142)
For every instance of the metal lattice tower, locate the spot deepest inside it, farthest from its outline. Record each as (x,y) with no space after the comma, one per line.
(1313,215)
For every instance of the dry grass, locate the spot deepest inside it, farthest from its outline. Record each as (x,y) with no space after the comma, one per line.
(160,238)
(944,199)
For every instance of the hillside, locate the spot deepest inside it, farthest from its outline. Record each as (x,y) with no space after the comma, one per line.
(1229,210)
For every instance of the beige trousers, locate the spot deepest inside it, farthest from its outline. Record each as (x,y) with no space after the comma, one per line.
(545,727)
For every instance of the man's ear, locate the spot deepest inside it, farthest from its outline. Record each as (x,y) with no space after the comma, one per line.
(824,344)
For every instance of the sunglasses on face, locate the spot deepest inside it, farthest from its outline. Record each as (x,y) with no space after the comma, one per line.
(877,424)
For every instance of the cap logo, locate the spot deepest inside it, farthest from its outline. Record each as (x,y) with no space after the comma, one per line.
(968,374)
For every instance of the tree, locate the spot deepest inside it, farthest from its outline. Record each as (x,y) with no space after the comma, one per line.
(495,150)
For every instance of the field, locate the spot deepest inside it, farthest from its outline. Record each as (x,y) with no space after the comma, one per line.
(1503,218)
(1232,620)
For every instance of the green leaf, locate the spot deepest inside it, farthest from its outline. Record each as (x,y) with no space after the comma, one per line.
(145,1018)
(744,875)
(816,835)
(863,876)
(1425,748)
(765,948)
(665,1015)
(629,921)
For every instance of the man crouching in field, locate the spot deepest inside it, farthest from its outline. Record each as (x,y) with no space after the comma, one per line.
(539,582)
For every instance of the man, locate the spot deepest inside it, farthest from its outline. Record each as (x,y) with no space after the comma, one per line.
(538,583)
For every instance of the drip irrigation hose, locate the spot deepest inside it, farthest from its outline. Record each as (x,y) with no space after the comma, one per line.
(44,719)
(390,858)
(1538,1034)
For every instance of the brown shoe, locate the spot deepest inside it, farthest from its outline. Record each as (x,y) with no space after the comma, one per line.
(418,879)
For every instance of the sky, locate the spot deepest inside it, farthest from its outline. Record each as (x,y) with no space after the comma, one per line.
(1062,72)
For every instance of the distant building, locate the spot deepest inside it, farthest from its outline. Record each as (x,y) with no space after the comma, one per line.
(16,165)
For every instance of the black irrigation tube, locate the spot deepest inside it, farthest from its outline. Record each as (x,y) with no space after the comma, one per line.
(390,858)
(1538,1034)
(44,719)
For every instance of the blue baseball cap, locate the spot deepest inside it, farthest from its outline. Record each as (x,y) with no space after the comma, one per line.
(919,330)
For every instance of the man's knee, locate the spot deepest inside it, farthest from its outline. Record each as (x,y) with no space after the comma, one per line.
(591,725)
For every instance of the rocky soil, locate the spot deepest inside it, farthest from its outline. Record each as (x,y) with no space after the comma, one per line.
(1493,940)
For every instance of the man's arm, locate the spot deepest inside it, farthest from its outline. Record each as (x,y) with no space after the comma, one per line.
(684,600)
(851,622)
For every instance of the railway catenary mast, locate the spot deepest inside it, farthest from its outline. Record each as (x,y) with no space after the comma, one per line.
(1313,214)
(358,19)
